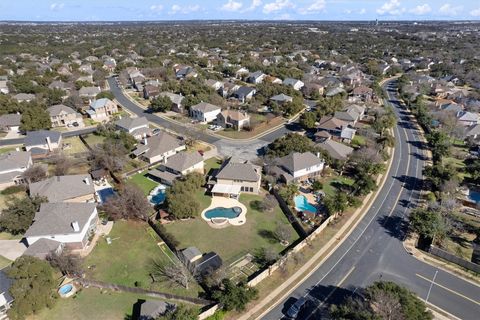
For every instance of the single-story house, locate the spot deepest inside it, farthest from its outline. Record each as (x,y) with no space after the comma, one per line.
(71,188)
(235,177)
(42,142)
(281,98)
(467,119)
(256,77)
(44,247)
(102,109)
(12,166)
(69,223)
(137,127)
(10,122)
(204,112)
(61,116)
(214,84)
(363,92)
(298,166)
(24,97)
(336,150)
(150,91)
(178,165)
(233,119)
(159,148)
(337,128)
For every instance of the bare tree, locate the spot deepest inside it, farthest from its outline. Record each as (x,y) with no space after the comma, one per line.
(386,305)
(110,156)
(67,263)
(34,174)
(129,203)
(175,274)
(283,233)
(62,164)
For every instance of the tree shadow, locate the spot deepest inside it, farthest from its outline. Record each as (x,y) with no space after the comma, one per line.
(418,144)
(410,183)
(395,226)
(268,235)
(419,156)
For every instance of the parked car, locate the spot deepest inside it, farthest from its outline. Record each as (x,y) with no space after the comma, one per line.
(156,131)
(295,309)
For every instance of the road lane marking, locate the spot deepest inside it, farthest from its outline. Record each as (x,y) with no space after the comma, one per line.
(448,289)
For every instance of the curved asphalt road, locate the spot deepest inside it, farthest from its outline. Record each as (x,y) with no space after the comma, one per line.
(374,250)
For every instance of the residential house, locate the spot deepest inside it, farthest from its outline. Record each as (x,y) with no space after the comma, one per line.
(298,167)
(186,72)
(71,188)
(294,83)
(235,177)
(151,309)
(10,122)
(274,80)
(138,127)
(109,64)
(150,92)
(235,119)
(312,88)
(4,87)
(43,247)
(59,85)
(467,119)
(102,109)
(473,131)
(12,166)
(351,114)
(176,101)
(178,165)
(334,91)
(244,93)
(86,68)
(204,112)
(241,73)
(363,92)
(228,89)
(336,150)
(69,223)
(337,128)
(24,97)
(159,148)
(89,92)
(63,116)
(256,77)
(214,84)
(40,143)
(281,99)
(5,298)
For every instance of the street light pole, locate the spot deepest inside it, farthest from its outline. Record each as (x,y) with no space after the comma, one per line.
(431,285)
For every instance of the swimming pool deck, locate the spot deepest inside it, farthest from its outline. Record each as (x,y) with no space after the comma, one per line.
(226,203)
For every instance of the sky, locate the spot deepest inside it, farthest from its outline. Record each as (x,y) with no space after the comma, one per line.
(137,10)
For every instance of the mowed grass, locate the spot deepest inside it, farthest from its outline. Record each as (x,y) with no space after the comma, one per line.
(129,259)
(92,304)
(143,182)
(330,185)
(75,145)
(212,163)
(233,242)
(94,139)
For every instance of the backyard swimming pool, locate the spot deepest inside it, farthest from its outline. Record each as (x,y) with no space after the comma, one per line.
(474,196)
(302,204)
(157,195)
(221,212)
(104,194)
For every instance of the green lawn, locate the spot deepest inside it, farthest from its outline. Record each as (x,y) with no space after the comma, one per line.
(94,139)
(9,236)
(212,163)
(202,199)
(359,140)
(129,258)
(234,241)
(76,145)
(143,182)
(7,149)
(329,185)
(4,262)
(92,303)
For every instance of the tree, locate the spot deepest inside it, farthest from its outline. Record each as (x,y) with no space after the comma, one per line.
(268,203)
(337,203)
(439,144)
(426,222)
(290,143)
(317,185)
(35,118)
(307,120)
(161,104)
(32,288)
(129,203)
(176,274)
(283,233)
(179,201)
(67,263)
(19,214)
(111,156)
(233,296)
(181,312)
(62,164)
(34,174)
(288,192)
(54,96)
(473,169)
(105,94)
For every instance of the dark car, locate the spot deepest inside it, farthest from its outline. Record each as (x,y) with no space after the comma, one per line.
(294,310)
(156,131)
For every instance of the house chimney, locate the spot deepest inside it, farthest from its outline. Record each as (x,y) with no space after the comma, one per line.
(87,181)
(49,144)
(145,142)
(318,154)
(75,226)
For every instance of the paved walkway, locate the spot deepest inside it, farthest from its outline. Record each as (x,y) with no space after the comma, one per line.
(12,249)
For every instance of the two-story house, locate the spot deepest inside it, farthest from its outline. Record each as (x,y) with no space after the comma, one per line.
(298,167)
(233,119)
(204,112)
(102,109)
(178,165)
(42,142)
(235,177)
(12,166)
(158,148)
(63,116)
(176,101)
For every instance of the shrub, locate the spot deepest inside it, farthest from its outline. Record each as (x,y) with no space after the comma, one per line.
(13,189)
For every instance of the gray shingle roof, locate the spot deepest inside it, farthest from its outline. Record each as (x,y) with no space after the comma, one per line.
(60,108)
(281,98)
(183,160)
(42,248)
(205,107)
(130,123)
(57,218)
(238,171)
(62,188)
(336,150)
(297,161)
(35,138)
(160,144)
(14,160)
(12,119)
(175,98)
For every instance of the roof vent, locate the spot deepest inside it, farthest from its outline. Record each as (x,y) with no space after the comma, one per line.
(75,226)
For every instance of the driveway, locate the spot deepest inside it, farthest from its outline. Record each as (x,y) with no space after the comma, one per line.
(12,249)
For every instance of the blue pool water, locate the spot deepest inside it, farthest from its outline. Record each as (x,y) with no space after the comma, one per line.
(65,289)
(157,195)
(474,196)
(301,204)
(221,212)
(106,193)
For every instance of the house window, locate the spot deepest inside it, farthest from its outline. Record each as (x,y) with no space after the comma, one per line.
(251,189)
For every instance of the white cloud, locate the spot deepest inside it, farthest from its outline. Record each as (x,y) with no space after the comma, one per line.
(448,10)
(255,4)
(56,6)
(421,10)
(315,7)
(156,7)
(232,5)
(277,6)
(184,9)
(475,13)
(362,11)
(391,7)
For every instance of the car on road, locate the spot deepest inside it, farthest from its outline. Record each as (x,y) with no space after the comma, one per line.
(156,131)
(295,309)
